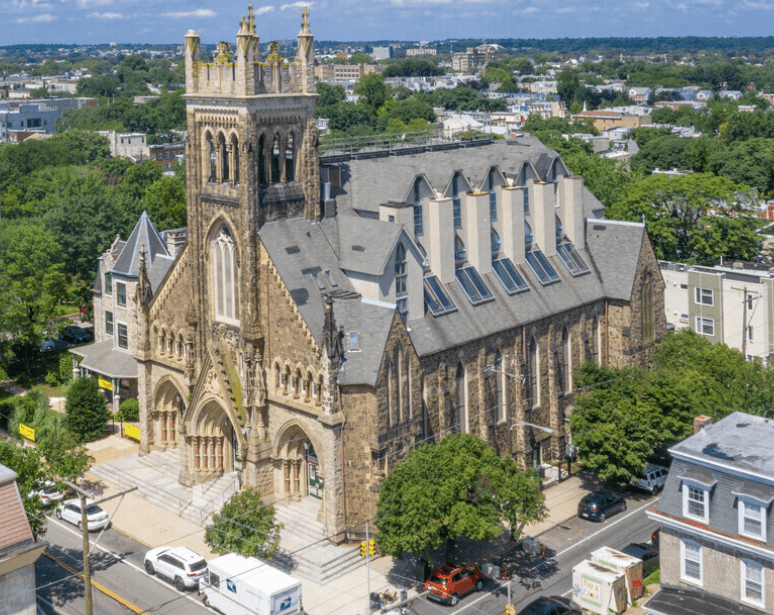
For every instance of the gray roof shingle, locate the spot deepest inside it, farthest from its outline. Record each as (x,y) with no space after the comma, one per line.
(143,237)
(615,247)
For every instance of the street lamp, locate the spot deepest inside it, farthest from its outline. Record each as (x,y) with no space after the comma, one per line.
(524,424)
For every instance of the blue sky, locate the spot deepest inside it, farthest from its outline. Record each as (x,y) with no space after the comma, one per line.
(166,21)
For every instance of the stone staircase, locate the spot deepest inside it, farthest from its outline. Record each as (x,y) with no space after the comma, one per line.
(156,476)
(304,549)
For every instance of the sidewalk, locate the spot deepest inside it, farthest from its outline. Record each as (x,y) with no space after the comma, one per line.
(152,526)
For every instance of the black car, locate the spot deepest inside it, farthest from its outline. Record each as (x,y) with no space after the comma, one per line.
(78,335)
(52,343)
(550,605)
(647,553)
(598,506)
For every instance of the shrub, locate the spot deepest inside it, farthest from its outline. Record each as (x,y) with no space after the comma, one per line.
(129,410)
(255,534)
(66,368)
(52,379)
(86,409)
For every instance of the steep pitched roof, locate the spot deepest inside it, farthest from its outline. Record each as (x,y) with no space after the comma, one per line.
(14,529)
(364,245)
(143,237)
(615,247)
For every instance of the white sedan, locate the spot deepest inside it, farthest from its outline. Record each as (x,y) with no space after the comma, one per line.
(70,511)
(48,492)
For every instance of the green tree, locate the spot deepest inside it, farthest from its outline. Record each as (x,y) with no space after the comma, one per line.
(480,490)
(86,409)
(329,94)
(66,458)
(165,203)
(694,218)
(244,525)
(31,286)
(26,462)
(374,90)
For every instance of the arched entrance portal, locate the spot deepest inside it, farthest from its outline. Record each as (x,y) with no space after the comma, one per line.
(214,446)
(299,466)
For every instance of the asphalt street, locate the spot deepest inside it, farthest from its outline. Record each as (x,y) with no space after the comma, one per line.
(116,565)
(567,544)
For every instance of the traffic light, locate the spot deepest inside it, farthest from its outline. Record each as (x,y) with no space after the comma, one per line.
(363,548)
(371,547)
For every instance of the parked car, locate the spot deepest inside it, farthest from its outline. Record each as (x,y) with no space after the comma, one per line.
(550,605)
(77,335)
(647,553)
(598,506)
(51,343)
(448,583)
(178,564)
(70,511)
(48,491)
(651,479)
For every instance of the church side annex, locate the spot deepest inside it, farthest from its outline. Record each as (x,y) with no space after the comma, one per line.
(321,316)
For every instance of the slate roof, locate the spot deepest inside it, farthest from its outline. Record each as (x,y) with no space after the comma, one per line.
(615,247)
(740,441)
(103,359)
(299,248)
(364,245)
(144,237)
(368,183)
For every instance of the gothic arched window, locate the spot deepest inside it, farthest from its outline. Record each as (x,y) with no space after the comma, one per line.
(210,162)
(234,160)
(461,410)
(533,374)
(290,158)
(401,275)
(262,161)
(647,312)
(224,276)
(223,159)
(275,161)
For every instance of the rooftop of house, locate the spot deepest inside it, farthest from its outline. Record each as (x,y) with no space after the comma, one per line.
(740,441)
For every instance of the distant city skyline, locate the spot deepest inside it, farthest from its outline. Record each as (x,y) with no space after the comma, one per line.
(142,21)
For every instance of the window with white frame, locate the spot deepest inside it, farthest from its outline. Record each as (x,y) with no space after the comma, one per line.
(224,276)
(121,293)
(691,568)
(123,336)
(705,296)
(752,582)
(109,323)
(705,326)
(696,502)
(108,284)
(752,519)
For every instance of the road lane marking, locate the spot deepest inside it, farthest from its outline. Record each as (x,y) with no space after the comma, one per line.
(124,561)
(635,511)
(98,586)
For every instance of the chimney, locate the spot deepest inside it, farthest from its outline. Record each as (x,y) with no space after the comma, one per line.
(440,238)
(513,223)
(572,209)
(543,209)
(479,231)
(700,422)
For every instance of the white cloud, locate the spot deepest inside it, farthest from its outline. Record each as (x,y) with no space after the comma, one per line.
(296,5)
(530,9)
(264,9)
(715,2)
(755,6)
(106,15)
(86,4)
(196,13)
(566,9)
(641,5)
(45,18)
(18,6)
(682,6)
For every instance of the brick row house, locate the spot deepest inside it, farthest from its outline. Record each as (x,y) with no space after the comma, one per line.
(322,315)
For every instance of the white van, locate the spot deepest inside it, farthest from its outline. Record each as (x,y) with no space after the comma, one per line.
(651,479)
(236,585)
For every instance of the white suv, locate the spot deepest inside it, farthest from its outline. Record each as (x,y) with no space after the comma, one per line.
(651,479)
(178,564)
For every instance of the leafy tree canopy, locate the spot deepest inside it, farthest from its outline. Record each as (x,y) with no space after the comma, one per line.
(417,512)
(86,409)
(244,525)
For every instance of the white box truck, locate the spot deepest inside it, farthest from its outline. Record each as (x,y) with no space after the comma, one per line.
(236,585)
(598,589)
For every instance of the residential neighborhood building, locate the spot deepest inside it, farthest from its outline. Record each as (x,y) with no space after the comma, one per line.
(476,58)
(322,315)
(38,115)
(420,51)
(715,520)
(345,72)
(129,144)
(19,549)
(167,154)
(605,120)
(731,304)
(640,95)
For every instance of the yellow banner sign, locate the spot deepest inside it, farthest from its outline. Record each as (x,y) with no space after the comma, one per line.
(27,432)
(105,384)
(132,431)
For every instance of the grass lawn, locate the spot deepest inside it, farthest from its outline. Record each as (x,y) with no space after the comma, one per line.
(653,577)
(50,391)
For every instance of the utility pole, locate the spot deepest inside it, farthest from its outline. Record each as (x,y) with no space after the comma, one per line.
(83,495)
(744,322)
(368,569)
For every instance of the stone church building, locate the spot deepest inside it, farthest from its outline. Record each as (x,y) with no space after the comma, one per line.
(322,315)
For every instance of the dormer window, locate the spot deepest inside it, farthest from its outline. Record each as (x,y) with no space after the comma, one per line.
(559,227)
(497,245)
(456,201)
(492,197)
(419,227)
(460,253)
